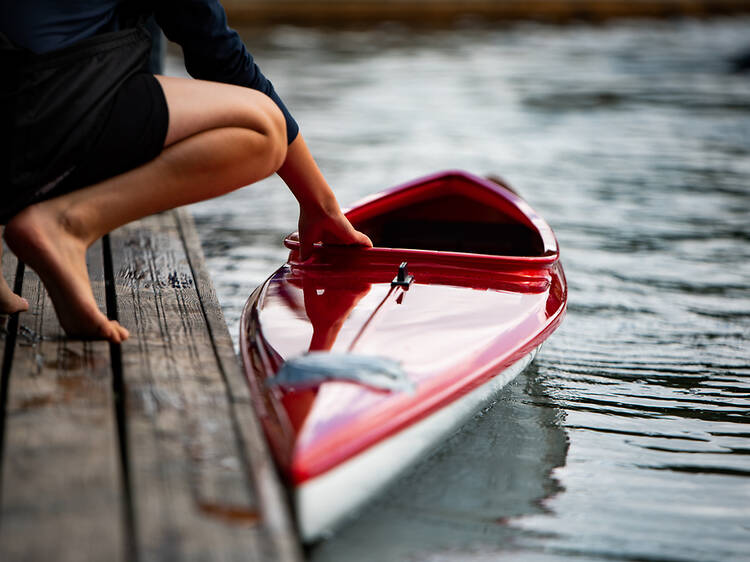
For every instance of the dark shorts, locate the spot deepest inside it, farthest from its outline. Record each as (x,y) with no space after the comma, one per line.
(133,134)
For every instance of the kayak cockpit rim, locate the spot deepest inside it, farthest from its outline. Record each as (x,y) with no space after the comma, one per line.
(452,217)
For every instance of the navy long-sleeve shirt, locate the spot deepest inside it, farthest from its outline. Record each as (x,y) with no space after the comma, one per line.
(213,51)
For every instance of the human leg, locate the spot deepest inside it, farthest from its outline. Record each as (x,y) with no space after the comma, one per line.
(9,301)
(220,138)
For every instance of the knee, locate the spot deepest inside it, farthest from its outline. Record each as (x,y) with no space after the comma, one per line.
(277,138)
(273,131)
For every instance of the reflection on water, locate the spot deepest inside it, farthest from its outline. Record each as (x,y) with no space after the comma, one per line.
(631,440)
(460,507)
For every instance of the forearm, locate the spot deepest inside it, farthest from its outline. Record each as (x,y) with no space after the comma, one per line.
(305,180)
(320,217)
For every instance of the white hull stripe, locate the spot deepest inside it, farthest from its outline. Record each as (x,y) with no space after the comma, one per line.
(324,501)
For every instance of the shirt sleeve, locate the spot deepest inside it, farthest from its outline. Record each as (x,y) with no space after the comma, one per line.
(213,51)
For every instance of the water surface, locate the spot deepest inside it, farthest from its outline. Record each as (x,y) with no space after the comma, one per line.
(630,437)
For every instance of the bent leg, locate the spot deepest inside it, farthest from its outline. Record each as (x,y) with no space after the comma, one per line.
(9,301)
(197,105)
(220,138)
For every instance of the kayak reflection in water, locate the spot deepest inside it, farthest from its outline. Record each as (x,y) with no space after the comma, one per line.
(327,306)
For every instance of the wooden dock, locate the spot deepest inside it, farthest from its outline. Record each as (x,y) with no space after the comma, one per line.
(148,450)
(442,12)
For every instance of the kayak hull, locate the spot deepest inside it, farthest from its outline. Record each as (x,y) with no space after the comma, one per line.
(321,503)
(357,367)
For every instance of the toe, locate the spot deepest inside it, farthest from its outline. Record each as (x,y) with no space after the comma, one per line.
(13,305)
(108,331)
(124,333)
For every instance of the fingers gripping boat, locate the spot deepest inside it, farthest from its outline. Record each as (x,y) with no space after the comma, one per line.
(360,360)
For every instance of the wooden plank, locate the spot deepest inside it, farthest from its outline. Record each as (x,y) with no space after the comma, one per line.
(191,495)
(8,330)
(9,268)
(61,488)
(275,511)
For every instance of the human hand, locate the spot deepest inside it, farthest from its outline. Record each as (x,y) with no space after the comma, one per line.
(320,217)
(330,227)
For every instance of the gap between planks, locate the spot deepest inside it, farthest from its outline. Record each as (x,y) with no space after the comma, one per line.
(145,451)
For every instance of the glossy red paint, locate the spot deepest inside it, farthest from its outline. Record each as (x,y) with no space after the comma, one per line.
(466,317)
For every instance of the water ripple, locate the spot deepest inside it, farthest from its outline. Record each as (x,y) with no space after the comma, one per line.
(629,439)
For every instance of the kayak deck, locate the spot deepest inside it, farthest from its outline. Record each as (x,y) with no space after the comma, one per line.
(463,319)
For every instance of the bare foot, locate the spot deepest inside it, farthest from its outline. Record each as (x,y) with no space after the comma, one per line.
(44,240)
(9,301)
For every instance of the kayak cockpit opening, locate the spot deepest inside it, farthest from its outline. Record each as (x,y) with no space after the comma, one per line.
(453,223)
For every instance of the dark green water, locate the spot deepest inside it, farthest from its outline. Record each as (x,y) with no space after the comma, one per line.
(630,438)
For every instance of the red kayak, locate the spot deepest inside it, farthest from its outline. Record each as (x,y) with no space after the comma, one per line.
(360,360)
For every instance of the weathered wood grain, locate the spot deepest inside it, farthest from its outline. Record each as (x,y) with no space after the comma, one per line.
(169,466)
(276,515)
(192,494)
(61,487)
(8,330)
(9,268)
